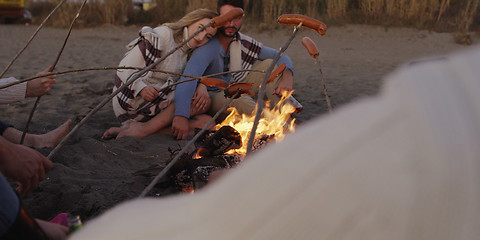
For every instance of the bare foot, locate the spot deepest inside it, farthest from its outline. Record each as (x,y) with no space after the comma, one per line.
(52,138)
(135,129)
(112,132)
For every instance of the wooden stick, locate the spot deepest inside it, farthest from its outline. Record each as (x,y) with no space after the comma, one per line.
(116,68)
(322,79)
(31,38)
(261,92)
(37,102)
(185,148)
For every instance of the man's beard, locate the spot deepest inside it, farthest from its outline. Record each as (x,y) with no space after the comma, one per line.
(222,30)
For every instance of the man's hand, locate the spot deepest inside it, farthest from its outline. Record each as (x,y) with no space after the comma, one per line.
(40,86)
(180,127)
(149,93)
(23,164)
(201,100)
(285,84)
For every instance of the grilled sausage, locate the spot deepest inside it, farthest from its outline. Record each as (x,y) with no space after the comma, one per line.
(214,82)
(243,87)
(311,47)
(308,22)
(279,70)
(230,15)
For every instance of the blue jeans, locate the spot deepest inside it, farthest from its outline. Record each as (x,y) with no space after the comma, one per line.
(9,205)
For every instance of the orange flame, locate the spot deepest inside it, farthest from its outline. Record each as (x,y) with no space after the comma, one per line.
(190,190)
(275,121)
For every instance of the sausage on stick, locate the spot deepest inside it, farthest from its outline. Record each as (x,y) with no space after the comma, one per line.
(313,51)
(308,22)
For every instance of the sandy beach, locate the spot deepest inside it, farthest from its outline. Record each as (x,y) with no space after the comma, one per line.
(91,175)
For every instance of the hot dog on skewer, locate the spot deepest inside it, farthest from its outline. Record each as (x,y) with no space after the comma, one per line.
(308,22)
(311,47)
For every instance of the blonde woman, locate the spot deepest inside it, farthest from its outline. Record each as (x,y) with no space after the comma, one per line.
(141,108)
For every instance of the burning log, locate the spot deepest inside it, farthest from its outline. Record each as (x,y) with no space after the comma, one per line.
(223,140)
(192,171)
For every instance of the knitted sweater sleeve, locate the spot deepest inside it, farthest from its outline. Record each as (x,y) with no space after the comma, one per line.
(15,93)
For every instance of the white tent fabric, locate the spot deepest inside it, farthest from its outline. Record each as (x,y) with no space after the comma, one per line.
(401,165)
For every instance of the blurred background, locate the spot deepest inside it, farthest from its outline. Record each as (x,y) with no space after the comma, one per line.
(437,15)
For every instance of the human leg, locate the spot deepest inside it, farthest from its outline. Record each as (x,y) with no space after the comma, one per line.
(199,122)
(143,129)
(49,139)
(257,78)
(245,104)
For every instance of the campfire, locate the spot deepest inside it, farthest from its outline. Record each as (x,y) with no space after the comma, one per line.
(274,124)
(226,145)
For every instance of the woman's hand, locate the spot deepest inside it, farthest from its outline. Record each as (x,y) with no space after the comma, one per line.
(149,93)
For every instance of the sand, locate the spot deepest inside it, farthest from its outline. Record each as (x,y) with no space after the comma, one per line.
(91,175)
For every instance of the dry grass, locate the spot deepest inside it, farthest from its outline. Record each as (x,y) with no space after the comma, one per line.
(441,15)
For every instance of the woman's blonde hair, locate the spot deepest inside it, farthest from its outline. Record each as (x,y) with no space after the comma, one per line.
(187,20)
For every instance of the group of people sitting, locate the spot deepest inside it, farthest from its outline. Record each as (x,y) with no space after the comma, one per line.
(401,165)
(142,109)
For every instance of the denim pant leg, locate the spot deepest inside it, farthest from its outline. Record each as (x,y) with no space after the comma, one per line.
(9,205)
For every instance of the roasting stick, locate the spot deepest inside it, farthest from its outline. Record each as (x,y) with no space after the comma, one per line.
(313,51)
(298,21)
(185,148)
(37,102)
(261,92)
(189,78)
(216,22)
(31,38)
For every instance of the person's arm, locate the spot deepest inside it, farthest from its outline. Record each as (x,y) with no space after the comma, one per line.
(41,86)
(286,83)
(15,93)
(270,53)
(34,88)
(196,67)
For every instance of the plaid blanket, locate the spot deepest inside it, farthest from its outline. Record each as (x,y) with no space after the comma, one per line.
(129,104)
(244,52)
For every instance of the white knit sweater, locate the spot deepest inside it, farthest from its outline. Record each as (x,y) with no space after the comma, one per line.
(15,93)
